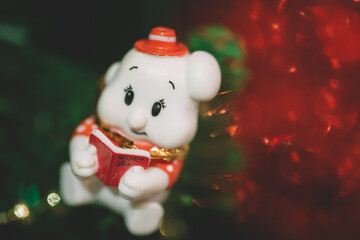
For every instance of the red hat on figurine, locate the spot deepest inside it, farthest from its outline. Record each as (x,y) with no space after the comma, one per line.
(161,42)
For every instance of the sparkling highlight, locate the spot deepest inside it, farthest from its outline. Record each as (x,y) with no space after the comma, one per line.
(53,199)
(21,211)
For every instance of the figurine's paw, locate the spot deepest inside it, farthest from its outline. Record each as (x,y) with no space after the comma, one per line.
(84,163)
(138,183)
(131,184)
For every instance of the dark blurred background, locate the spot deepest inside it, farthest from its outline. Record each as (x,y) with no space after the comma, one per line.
(94,33)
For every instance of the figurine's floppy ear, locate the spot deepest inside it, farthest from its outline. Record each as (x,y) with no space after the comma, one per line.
(203,76)
(111,72)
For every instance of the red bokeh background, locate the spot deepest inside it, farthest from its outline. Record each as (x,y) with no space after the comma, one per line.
(297,116)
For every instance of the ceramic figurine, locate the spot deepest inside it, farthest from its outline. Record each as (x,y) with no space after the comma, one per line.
(131,151)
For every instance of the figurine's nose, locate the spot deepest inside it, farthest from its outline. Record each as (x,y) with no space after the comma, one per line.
(137,120)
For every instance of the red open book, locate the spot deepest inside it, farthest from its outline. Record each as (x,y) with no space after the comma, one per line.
(115,161)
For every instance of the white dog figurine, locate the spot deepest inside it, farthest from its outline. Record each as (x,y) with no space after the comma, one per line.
(150,99)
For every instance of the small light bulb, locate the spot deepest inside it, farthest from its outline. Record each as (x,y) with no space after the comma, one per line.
(21,211)
(53,199)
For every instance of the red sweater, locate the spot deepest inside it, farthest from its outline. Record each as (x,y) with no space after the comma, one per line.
(172,168)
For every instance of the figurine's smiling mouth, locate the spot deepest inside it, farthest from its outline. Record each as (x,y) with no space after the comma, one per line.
(139,133)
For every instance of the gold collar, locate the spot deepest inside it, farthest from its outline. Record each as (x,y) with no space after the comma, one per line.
(155,152)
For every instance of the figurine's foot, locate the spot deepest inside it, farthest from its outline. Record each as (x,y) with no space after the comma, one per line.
(75,192)
(144,218)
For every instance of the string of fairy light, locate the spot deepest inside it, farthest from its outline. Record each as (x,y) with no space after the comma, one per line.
(21,211)
(168,227)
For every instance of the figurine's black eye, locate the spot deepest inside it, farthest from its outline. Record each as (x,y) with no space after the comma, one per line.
(157,106)
(129,95)
(156,109)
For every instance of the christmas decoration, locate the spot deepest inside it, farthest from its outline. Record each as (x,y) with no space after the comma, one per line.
(276,152)
(149,108)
